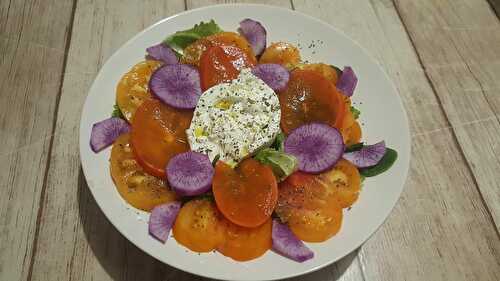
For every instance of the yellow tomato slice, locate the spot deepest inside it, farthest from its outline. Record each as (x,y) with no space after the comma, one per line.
(133,87)
(138,188)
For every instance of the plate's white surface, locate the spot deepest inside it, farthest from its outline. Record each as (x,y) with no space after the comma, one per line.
(382,114)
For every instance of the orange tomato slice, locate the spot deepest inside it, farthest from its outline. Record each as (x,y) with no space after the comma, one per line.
(282,53)
(247,194)
(352,135)
(133,87)
(310,97)
(344,181)
(158,134)
(193,52)
(309,207)
(138,188)
(221,64)
(198,226)
(324,69)
(243,244)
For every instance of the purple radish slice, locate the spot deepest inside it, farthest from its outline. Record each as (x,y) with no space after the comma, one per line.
(274,75)
(177,85)
(347,81)
(255,34)
(287,244)
(104,133)
(162,218)
(162,53)
(317,146)
(190,173)
(367,156)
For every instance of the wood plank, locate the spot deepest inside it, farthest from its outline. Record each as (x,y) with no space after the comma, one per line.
(495,5)
(76,241)
(463,64)
(440,229)
(32,52)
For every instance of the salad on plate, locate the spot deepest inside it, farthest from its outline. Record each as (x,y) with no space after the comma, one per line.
(237,146)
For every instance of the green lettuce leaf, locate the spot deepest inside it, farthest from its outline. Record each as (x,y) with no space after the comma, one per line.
(279,142)
(281,163)
(117,112)
(355,112)
(181,39)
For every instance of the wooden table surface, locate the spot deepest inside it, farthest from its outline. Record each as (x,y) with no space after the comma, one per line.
(443,56)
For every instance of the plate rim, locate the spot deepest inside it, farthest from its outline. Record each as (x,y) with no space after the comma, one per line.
(282,9)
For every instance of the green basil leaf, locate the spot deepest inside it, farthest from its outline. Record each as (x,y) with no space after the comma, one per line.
(383,165)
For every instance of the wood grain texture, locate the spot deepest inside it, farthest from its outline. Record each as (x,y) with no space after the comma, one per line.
(463,64)
(76,241)
(440,229)
(495,5)
(33,38)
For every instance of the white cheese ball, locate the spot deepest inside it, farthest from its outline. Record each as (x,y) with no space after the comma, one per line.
(234,120)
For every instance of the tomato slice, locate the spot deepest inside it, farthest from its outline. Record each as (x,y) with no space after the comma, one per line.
(317,225)
(310,97)
(324,69)
(310,208)
(220,64)
(193,52)
(345,181)
(246,195)
(243,243)
(352,134)
(198,226)
(282,53)
(138,188)
(158,134)
(133,87)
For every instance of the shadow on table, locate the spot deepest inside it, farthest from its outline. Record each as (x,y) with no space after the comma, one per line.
(124,261)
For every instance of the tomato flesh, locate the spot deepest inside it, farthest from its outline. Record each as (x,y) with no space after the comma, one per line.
(243,243)
(310,209)
(193,52)
(247,194)
(220,64)
(133,87)
(158,134)
(138,188)
(310,97)
(282,53)
(198,226)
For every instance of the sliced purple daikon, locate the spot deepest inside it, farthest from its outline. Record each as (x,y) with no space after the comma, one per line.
(347,81)
(367,156)
(177,85)
(162,53)
(162,218)
(274,75)
(104,133)
(190,173)
(287,244)
(255,34)
(317,146)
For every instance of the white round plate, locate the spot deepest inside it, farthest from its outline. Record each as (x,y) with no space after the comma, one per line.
(382,113)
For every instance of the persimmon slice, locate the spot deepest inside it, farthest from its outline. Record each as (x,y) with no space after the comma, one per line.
(247,194)
(158,134)
(221,64)
(310,206)
(310,97)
